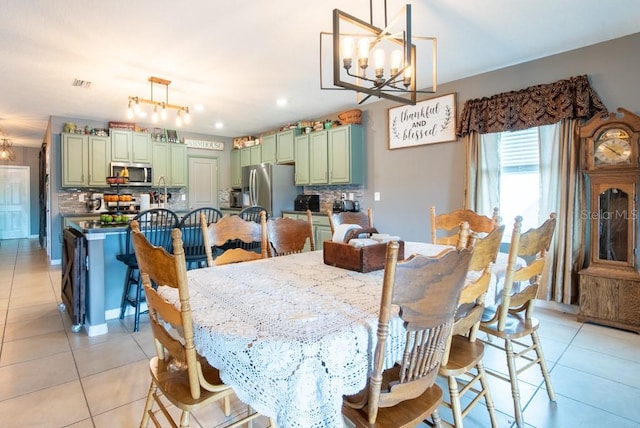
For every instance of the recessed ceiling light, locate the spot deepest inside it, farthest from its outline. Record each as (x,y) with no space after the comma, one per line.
(198,107)
(219,125)
(282,102)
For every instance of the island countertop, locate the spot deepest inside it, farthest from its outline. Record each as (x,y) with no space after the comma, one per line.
(95,226)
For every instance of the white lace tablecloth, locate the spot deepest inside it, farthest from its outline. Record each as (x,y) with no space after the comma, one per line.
(290,334)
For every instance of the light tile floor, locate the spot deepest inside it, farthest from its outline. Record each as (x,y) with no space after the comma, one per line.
(51,377)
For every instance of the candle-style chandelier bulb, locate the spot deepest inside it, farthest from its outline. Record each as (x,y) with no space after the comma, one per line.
(187,116)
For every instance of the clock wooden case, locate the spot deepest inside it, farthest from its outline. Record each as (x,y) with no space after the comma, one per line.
(610,282)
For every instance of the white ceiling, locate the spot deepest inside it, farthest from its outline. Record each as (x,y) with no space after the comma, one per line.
(237,57)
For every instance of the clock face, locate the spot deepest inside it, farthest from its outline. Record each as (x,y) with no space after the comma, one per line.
(613,147)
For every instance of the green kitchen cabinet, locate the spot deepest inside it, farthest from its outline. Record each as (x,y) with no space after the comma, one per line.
(85,160)
(318,158)
(236,169)
(346,153)
(285,152)
(132,147)
(245,156)
(269,148)
(336,156)
(301,159)
(98,160)
(170,161)
(279,147)
(321,228)
(74,160)
(256,154)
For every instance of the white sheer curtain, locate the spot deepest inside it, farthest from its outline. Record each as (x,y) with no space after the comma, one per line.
(560,193)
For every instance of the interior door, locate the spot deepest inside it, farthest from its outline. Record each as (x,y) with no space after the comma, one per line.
(14,202)
(203,182)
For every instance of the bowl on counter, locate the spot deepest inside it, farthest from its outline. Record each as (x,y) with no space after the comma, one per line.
(117,180)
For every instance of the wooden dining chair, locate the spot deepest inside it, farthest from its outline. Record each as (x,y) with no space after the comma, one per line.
(446,222)
(234,228)
(426,290)
(194,248)
(462,362)
(183,377)
(512,318)
(156,224)
(289,235)
(360,218)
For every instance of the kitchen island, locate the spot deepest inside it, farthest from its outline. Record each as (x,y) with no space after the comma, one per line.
(105,274)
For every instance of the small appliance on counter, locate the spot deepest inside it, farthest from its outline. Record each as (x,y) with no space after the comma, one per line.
(96,203)
(235,199)
(307,202)
(344,205)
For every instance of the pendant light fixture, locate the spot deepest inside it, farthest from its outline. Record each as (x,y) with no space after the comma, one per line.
(159,107)
(6,148)
(379,62)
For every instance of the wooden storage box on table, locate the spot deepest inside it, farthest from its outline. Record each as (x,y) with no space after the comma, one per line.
(359,259)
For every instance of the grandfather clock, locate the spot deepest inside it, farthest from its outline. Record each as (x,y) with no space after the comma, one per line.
(610,284)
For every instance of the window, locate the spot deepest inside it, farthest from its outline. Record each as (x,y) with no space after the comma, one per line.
(519,188)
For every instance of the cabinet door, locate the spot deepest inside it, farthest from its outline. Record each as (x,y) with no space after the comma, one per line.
(120,146)
(318,158)
(269,147)
(236,171)
(141,148)
(99,155)
(160,161)
(322,230)
(178,165)
(302,160)
(346,155)
(74,160)
(256,154)
(245,156)
(285,147)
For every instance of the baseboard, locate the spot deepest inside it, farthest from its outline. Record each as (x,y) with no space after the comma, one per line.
(112,314)
(559,307)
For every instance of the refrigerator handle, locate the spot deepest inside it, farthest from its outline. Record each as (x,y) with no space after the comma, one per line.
(252,187)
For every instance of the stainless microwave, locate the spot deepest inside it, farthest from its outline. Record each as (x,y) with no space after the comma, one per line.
(140,174)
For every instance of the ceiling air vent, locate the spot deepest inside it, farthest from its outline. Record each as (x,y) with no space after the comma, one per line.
(81,83)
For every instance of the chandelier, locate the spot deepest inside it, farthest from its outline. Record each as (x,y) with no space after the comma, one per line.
(6,150)
(391,52)
(159,107)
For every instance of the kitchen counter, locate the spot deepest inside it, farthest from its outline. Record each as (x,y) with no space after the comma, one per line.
(321,213)
(95,226)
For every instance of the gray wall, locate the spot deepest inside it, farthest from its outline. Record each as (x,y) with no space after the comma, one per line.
(410,180)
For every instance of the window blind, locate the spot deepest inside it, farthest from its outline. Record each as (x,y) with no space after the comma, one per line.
(519,151)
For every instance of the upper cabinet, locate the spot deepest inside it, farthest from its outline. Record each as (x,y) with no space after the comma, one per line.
(85,160)
(335,156)
(236,171)
(128,146)
(279,147)
(301,159)
(170,161)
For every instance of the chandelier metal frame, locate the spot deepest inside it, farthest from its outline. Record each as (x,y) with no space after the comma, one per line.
(401,81)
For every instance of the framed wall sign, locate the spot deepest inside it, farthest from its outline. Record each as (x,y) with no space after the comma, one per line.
(427,122)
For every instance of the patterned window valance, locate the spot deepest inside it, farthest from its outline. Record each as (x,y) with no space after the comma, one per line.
(534,106)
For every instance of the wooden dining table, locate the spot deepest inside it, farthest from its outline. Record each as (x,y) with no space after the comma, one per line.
(291,334)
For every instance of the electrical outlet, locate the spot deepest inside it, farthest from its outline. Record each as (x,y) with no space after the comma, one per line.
(81,197)
(184,197)
(344,195)
(376,196)
(351,196)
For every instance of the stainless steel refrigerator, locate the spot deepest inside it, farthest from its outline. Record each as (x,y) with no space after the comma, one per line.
(270,186)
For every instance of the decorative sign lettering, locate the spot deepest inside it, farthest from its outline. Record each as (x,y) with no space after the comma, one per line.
(427,122)
(202,144)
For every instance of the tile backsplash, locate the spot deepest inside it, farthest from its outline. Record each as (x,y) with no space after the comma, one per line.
(328,194)
(70,201)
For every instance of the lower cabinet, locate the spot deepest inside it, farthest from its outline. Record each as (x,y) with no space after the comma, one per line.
(170,162)
(321,228)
